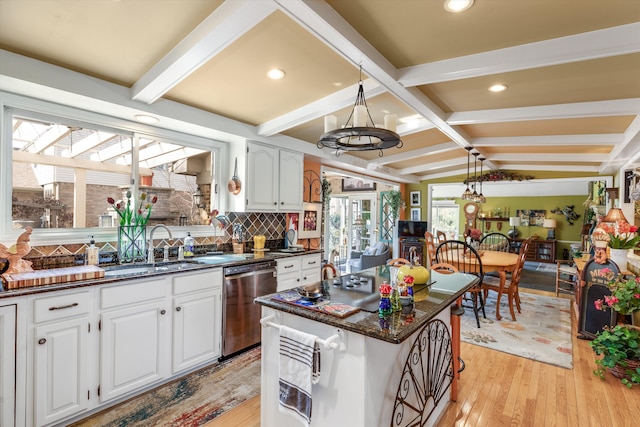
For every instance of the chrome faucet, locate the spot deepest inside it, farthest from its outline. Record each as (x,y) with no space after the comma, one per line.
(151,257)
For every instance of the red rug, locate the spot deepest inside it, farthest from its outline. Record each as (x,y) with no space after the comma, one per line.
(191,401)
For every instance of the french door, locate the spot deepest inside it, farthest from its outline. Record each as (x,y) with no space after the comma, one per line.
(350,226)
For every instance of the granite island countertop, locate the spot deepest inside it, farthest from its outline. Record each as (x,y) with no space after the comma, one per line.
(430,299)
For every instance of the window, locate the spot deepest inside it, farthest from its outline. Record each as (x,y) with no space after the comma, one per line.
(62,170)
(445,216)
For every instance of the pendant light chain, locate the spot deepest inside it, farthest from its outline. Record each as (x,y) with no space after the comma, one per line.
(474,195)
(466,195)
(481,198)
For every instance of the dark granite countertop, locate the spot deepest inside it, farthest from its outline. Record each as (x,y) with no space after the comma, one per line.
(190,264)
(430,300)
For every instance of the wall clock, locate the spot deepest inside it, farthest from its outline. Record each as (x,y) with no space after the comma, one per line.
(471,212)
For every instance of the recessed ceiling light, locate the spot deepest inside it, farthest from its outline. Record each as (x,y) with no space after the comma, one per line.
(275,74)
(142,118)
(498,88)
(456,6)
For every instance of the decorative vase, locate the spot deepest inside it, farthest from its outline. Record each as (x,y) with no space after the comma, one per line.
(132,243)
(619,256)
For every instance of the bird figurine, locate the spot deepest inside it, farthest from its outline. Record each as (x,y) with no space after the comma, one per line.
(16,252)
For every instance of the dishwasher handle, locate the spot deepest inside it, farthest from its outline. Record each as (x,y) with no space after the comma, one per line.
(271,271)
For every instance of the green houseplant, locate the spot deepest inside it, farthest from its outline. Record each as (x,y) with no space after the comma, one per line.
(396,201)
(621,353)
(620,345)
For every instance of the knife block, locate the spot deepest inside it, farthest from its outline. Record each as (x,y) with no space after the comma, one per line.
(238,248)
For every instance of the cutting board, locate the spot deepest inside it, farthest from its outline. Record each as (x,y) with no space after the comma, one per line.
(52,276)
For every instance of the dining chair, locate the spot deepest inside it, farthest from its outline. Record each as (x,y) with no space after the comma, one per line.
(466,259)
(495,242)
(444,268)
(398,262)
(430,247)
(566,276)
(441,236)
(492,283)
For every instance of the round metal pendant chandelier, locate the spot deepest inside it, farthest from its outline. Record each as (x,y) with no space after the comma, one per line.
(356,135)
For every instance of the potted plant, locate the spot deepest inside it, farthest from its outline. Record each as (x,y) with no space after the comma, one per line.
(396,201)
(621,353)
(620,345)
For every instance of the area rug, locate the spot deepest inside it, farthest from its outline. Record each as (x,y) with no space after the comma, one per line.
(191,401)
(541,332)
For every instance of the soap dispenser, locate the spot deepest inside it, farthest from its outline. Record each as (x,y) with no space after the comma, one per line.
(91,256)
(189,243)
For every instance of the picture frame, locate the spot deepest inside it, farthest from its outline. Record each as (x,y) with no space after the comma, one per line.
(529,217)
(356,184)
(415,214)
(310,221)
(414,197)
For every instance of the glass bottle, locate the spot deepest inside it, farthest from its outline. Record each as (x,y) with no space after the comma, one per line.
(384,307)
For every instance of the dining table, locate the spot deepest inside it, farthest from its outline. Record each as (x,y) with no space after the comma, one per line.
(492,261)
(500,262)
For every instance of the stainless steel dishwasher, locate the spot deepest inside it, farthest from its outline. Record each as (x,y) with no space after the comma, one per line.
(241,317)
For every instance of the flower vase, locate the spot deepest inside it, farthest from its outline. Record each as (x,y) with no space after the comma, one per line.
(619,256)
(132,243)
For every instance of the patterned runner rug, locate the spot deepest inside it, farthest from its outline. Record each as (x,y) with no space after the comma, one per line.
(541,332)
(191,401)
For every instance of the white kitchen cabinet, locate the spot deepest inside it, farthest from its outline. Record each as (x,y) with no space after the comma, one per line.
(134,333)
(7,364)
(60,348)
(291,175)
(288,270)
(274,179)
(310,269)
(298,271)
(197,319)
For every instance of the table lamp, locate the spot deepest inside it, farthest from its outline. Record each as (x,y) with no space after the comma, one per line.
(514,222)
(551,225)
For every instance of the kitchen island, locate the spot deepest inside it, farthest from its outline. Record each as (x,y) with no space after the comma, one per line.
(397,370)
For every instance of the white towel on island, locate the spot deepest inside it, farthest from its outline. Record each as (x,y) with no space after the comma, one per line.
(299,369)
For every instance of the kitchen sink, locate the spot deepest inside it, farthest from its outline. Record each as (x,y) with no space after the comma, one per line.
(220,259)
(137,270)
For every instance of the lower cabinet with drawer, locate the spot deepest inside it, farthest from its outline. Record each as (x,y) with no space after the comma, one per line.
(134,332)
(60,349)
(298,271)
(197,319)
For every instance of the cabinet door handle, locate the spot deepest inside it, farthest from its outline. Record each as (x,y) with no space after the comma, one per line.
(42,341)
(178,308)
(288,266)
(61,307)
(163,312)
(275,203)
(297,280)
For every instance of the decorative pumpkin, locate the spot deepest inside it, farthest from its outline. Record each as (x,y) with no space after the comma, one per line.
(420,274)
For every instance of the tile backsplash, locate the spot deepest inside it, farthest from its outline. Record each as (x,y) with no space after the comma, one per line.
(271,225)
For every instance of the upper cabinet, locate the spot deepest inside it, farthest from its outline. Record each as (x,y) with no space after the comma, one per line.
(274,179)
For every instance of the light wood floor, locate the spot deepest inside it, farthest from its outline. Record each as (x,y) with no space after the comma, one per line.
(499,389)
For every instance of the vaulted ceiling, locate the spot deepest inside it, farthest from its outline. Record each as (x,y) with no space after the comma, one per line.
(571,68)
